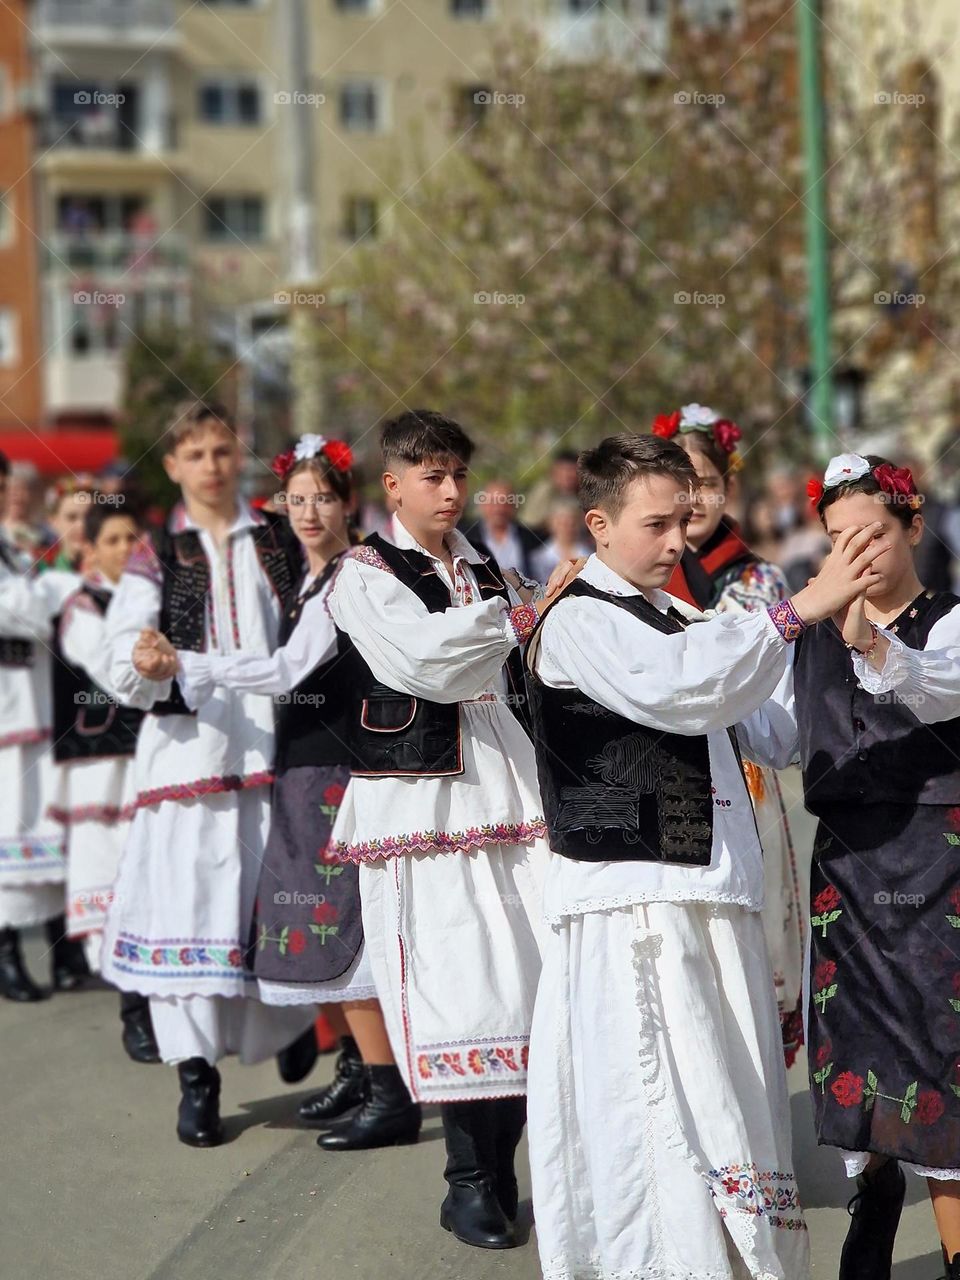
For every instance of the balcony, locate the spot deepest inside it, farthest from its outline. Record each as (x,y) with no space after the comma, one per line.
(109,131)
(634,32)
(111,255)
(127,23)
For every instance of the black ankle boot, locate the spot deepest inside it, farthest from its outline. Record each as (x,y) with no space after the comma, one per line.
(70,968)
(343,1092)
(298,1059)
(15,982)
(951,1270)
(509,1117)
(198,1121)
(867,1252)
(388,1117)
(471,1209)
(138,1039)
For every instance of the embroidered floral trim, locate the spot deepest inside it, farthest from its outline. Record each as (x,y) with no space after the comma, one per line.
(786,619)
(107,813)
(204,787)
(368,555)
(145,563)
(90,902)
(24,737)
(216,957)
(523,619)
(232,593)
(767,1194)
(16,853)
(439,841)
(486,1060)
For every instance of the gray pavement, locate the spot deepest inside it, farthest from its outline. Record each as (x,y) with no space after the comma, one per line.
(95,1185)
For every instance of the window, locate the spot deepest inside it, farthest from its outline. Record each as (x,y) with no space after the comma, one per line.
(359,217)
(80,213)
(8,221)
(230,100)
(9,337)
(361,106)
(356,6)
(469,8)
(233,217)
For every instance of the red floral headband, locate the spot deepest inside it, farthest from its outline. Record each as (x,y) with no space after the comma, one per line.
(897,482)
(337,452)
(696,417)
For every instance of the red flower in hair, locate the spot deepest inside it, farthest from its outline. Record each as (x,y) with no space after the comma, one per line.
(726,434)
(339,454)
(282,463)
(666,425)
(814,491)
(897,481)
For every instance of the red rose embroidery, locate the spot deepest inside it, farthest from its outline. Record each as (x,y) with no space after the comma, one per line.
(847,1089)
(824,974)
(929,1107)
(296,942)
(186,955)
(235,958)
(325,913)
(423,1067)
(156,957)
(827,899)
(956,984)
(823,1054)
(955,901)
(953,817)
(333,794)
(666,424)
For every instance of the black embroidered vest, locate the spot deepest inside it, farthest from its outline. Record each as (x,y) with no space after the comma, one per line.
(614,790)
(393,734)
(87,723)
(313,720)
(14,650)
(859,748)
(186,586)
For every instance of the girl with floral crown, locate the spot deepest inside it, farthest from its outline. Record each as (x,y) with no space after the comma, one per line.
(877,731)
(719,571)
(308,936)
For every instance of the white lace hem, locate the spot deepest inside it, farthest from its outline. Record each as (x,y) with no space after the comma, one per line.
(856,1161)
(283,994)
(705,897)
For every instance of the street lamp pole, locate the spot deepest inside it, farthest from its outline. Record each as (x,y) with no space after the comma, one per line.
(818,249)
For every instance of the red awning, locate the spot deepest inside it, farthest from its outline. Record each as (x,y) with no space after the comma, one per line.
(60,452)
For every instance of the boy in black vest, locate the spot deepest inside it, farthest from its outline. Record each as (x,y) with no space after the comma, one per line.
(212,581)
(659,1120)
(443,814)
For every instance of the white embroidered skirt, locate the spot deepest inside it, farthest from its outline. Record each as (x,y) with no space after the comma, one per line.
(31,842)
(659,1124)
(454,941)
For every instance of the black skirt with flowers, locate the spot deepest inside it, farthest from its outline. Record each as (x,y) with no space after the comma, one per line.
(306,925)
(884,1016)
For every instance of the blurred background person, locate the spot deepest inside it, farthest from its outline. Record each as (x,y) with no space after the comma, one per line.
(568,540)
(497,528)
(23,524)
(560,483)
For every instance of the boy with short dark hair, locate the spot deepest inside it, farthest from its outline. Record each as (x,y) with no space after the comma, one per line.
(659,1119)
(443,814)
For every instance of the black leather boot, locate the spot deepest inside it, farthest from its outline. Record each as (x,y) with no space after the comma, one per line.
(951,1270)
(867,1252)
(198,1121)
(15,982)
(70,968)
(343,1092)
(471,1209)
(509,1118)
(138,1039)
(388,1117)
(298,1059)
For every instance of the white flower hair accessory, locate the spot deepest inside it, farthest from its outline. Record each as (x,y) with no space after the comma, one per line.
(697,415)
(308,446)
(845,467)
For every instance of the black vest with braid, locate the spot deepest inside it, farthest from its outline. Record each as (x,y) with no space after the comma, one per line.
(186,585)
(614,790)
(87,723)
(392,733)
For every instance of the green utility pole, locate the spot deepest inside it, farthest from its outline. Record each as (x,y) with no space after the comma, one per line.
(818,252)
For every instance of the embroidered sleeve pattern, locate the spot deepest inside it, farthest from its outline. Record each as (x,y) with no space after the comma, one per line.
(145,563)
(523,619)
(786,619)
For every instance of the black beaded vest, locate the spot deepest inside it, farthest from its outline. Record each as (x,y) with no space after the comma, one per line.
(861,748)
(313,720)
(393,734)
(614,790)
(87,723)
(186,586)
(15,651)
